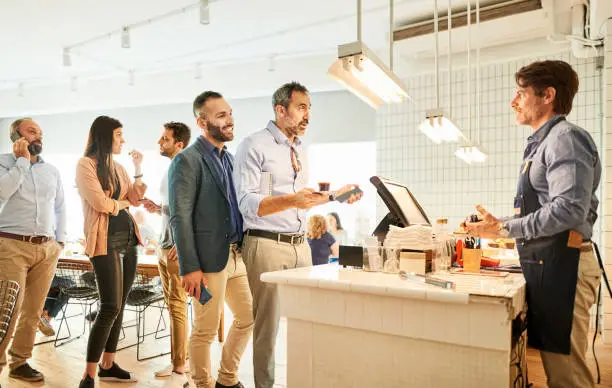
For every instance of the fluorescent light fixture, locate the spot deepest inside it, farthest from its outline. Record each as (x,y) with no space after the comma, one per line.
(20,89)
(439,128)
(131,77)
(198,71)
(471,154)
(204,12)
(67,58)
(125,37)
(360,70)
(74,84)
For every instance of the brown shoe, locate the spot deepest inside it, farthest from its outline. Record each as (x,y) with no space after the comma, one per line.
(45,326)
(26,373)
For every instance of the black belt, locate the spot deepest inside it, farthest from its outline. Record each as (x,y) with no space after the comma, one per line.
(294,239)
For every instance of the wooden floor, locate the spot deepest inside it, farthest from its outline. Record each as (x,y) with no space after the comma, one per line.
(604,356)
(63,366)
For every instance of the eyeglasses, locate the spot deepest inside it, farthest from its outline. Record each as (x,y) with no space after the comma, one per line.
(295,160)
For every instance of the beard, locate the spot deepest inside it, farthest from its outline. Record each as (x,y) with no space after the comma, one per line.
(216,132)
(35,148)
(299,130)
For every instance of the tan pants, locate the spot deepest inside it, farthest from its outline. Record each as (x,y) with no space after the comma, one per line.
(176,299)
(231,286)
(33,267)
(572,371)
(265,255)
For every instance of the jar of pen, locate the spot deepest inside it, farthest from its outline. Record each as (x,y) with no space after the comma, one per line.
(472,251)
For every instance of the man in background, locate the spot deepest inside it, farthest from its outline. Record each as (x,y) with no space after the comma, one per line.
(32,234)
(174,138)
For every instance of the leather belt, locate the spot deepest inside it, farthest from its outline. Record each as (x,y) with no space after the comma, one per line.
(293,239)
(586,247)
(28,239)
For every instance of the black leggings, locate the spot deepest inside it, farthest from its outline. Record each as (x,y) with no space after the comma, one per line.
(115,274)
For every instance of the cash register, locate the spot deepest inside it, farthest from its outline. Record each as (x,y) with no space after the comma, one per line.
(404,210)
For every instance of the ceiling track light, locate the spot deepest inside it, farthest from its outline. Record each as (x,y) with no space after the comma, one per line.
(198,71)
(204,12)
(131,77)
(74,83)
(125,37)
(272,63)
(20,89)
(67,59)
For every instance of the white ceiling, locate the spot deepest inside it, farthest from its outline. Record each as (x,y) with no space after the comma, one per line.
(33,34)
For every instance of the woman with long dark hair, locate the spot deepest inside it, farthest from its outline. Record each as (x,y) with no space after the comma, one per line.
(111,237)
(336,229)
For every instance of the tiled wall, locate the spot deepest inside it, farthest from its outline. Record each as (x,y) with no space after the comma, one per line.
(607,178)
(446,186)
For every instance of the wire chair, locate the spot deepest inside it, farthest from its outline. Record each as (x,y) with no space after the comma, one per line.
(9,292)
(146,293)
(80,289)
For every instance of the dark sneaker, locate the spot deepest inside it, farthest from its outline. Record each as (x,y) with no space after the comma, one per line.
(45,327)
(26,373)
(87,382)
(239,385)
(116,374)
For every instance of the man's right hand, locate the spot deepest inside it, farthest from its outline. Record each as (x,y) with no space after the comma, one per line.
(191,283)
(305,198)
(20,149)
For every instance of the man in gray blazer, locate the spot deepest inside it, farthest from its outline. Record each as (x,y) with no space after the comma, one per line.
(207,228)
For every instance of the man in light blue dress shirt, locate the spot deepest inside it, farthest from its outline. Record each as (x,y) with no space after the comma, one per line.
(32,234)
(271,174)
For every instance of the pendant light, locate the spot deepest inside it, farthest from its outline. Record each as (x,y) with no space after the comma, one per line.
(437,126)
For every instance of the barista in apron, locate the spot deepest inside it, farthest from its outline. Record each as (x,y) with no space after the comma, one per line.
(555,208)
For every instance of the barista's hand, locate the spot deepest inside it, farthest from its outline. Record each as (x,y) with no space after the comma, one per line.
(487,228)
(20,148)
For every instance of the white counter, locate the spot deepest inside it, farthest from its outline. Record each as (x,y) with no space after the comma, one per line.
(349,328)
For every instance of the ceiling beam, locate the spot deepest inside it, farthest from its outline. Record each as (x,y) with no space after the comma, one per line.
(490,12)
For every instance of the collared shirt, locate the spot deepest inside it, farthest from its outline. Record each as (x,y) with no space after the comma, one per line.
(224,168)
(31,198)
(565,174)
(263,160)
(165,239)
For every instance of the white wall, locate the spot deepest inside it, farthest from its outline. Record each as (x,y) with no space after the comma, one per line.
(446,186)
(336,117)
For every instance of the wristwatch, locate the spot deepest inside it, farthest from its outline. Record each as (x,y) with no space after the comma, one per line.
(332,196)
(503,230)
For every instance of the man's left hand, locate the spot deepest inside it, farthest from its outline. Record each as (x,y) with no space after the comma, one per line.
(487,228)
(345,189)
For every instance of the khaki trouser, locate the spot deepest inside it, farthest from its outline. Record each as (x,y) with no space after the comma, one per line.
(176,299)
(265,255)
(572,371)
(33,267)
(231,286)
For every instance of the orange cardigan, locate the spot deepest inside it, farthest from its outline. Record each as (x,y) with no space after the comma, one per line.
(98,204)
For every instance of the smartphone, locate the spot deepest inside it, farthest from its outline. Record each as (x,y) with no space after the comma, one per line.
(347,195)
(205,295)
(15,136)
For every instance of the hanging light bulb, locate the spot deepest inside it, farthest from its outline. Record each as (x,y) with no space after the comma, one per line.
(471,154)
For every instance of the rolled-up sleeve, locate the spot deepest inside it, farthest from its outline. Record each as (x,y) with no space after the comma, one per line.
(247,177)
(570,175)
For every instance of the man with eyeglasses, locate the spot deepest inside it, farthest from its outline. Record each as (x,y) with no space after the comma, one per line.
(271,177)
(32,234)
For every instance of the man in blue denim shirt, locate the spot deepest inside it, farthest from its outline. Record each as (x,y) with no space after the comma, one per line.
(555,207)
(32,233)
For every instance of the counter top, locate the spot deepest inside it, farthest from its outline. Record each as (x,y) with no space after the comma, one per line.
(469,288)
